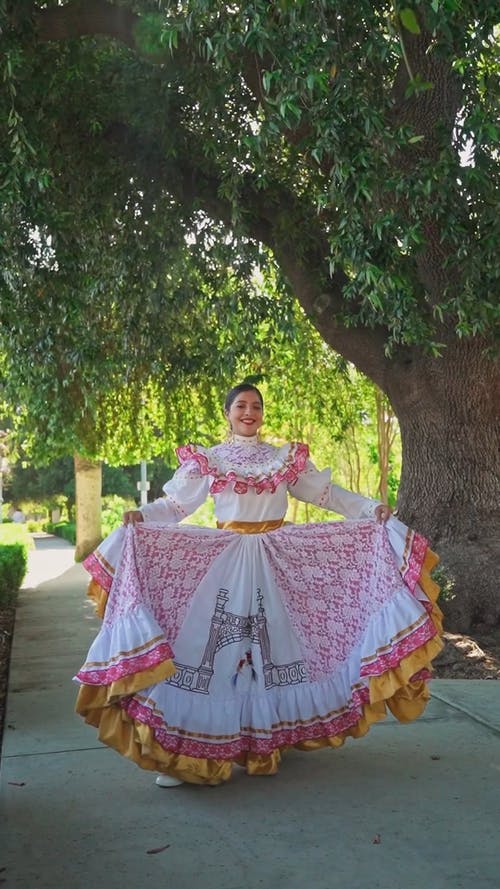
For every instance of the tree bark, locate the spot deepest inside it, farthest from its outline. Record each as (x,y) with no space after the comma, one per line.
(448,412)
(88,480)
(450,486)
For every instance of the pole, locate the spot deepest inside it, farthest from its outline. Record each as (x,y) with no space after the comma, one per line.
(143,485)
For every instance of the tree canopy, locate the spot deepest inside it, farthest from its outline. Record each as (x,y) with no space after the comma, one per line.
(376,128)
(357,142)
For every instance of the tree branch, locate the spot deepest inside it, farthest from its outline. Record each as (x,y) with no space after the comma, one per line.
(268,216)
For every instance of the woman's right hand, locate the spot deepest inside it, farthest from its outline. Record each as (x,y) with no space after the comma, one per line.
(132,517)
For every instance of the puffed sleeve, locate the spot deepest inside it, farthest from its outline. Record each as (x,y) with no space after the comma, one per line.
(184,493)
(315,486)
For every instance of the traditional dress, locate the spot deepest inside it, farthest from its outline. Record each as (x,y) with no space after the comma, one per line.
(231,644)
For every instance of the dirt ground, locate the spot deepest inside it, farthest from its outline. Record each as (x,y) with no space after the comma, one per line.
(464,657)
(7,616)
(470,657)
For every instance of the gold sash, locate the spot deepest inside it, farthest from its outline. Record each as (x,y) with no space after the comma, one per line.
(251,527)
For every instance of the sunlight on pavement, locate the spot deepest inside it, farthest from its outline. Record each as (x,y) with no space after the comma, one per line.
(51,557)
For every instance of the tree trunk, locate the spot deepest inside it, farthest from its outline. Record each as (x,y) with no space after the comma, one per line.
(448,410)
(88,483)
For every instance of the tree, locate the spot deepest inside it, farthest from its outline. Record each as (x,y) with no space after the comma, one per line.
(87,376)
(336,134)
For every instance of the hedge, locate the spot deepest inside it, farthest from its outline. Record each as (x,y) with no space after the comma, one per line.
(13,565)
(66,530)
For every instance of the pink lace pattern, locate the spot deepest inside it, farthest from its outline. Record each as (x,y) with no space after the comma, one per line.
(127,666)
(262,467)
(330,591)
(336,579)
(380,663)
(98,571)
(413,557)
(250,740)
(161,568)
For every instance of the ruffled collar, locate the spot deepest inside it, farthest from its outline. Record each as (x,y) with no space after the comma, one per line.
(262,467)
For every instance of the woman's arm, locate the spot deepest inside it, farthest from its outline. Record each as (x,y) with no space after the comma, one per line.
(315,486)
(184,493)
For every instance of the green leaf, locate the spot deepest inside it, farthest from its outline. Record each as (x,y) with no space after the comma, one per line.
(409,20)
(266,80)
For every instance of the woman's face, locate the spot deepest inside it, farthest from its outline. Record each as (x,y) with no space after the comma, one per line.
(245,415)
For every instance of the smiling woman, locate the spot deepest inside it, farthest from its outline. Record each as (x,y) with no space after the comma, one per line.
(244,410)
(231,644)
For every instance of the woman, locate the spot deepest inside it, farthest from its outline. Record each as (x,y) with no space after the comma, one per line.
(229,645)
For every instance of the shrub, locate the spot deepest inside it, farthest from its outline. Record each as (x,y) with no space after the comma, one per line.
(12,532)
(113,508)
(66,530)
(33,526)
(13,564)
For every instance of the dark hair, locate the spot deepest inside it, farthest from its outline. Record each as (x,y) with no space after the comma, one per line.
(236,390)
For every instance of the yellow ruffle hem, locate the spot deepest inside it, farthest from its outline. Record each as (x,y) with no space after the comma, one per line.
(99,597)
(394,690)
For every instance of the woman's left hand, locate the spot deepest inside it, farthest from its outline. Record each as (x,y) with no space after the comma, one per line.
(383,512)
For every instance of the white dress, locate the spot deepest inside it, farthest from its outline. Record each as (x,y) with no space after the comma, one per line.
(230,644)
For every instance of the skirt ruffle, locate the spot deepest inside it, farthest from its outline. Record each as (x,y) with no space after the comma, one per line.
(219,648)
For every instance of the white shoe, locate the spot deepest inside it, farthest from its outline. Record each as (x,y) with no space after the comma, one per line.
(167,781)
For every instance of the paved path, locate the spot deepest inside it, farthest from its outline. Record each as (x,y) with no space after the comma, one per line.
(76,814)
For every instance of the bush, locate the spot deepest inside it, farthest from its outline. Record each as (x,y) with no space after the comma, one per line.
(13,564)
(66,530)
(113,508)
(5,511)
(32,526)
(12,532)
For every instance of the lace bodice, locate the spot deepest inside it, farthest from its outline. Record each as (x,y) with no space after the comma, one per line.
(250,481)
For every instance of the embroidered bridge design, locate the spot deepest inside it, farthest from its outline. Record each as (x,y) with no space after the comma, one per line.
(227,628)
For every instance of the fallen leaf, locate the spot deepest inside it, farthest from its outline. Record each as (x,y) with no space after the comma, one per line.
(377,839)
(159,849)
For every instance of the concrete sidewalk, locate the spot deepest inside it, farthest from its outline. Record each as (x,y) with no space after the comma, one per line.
(407,807)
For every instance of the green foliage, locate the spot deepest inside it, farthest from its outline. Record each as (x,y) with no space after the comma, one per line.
(158,472)
(66,530)
(13,564)
(40,490)
(447,583)
(35,525)
(203,516)
(113,508)
(45,485)
(117,483)
(12,532)
(135,197)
